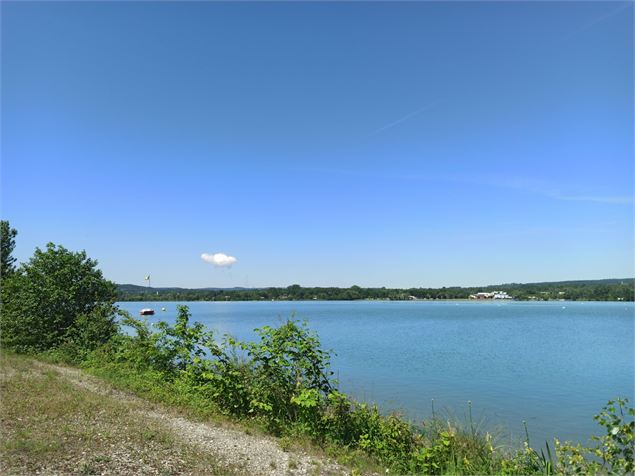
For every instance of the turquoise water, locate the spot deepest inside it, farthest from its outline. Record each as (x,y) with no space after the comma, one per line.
(553,364)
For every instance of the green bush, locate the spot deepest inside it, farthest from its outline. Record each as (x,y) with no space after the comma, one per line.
(290,376)
(182,344)
(613,453)
(44,300)
(88,332)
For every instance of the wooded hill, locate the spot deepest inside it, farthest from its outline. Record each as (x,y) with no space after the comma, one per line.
(591,290)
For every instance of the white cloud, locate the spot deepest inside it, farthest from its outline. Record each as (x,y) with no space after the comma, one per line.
(219,259)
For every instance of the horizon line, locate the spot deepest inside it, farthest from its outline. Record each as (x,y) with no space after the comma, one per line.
(376,287)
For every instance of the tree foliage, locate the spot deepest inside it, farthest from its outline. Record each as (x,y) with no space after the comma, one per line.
(48,297)
(7,242)
(602,290)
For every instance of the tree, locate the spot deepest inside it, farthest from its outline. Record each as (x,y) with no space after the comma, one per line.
(50,296)
(7,240)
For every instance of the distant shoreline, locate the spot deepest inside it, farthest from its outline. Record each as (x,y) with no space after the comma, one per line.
(617,290)
(458,300)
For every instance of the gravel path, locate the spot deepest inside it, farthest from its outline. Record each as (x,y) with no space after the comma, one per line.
(254,454)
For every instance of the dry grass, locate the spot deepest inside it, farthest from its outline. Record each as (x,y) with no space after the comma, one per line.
(50,426)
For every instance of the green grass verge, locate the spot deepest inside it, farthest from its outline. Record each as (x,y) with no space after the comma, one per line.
(51,426)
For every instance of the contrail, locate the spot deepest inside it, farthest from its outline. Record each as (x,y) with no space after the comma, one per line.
(599,19)
(404,118)
(607,15)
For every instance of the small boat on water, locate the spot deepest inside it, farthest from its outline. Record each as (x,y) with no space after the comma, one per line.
(147,312)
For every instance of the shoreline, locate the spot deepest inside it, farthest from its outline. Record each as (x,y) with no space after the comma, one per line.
(482,301)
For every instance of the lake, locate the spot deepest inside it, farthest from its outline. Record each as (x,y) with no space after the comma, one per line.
(553,364)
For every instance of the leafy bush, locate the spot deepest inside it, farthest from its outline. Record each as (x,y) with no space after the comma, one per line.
(613,453)
(390,439)
(181,345)
(290,374)
(169,350)
(44,298)
(88,332)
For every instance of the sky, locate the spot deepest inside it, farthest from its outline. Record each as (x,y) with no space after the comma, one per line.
(411,144)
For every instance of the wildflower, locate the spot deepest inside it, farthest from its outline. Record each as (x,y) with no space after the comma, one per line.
(488,439)
(615,430)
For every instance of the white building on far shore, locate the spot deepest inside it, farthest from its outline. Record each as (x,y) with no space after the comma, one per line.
(492,295)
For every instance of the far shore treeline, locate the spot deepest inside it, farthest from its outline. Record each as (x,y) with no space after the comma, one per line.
(592,290)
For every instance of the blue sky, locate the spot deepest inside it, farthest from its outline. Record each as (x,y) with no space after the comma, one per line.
(378,144)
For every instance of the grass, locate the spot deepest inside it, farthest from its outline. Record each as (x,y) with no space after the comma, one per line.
(47,424)
(51,426)
(154,388)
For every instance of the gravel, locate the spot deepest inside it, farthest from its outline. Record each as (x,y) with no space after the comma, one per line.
(253,454)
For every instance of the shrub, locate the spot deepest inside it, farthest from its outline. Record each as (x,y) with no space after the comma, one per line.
(88,332)
(224,377)
(44,298)
(181,345)
(613,453)
(290,374)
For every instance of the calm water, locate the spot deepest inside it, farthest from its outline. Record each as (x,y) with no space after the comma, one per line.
(552,364)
